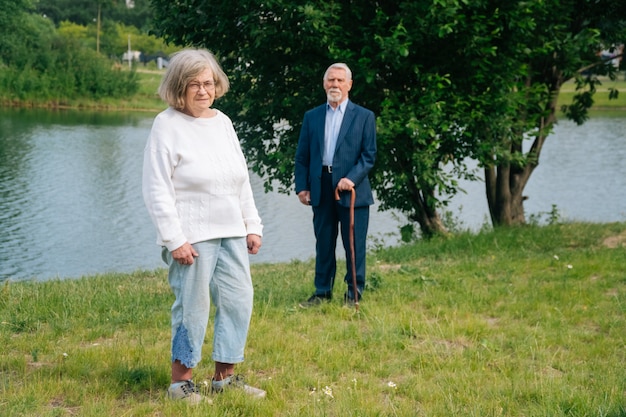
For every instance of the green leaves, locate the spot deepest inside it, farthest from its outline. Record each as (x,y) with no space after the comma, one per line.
(447,79)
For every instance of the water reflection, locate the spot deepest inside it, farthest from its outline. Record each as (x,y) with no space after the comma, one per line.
(583,172)
(70,193)
(68,182)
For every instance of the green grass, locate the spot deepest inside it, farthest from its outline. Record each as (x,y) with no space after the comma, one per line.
(601,97)
(526,321)
(146,99)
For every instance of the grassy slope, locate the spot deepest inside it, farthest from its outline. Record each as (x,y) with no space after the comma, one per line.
(147,99)
(601,98)
(517,322)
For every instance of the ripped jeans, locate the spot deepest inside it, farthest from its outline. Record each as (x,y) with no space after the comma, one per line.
(220,274)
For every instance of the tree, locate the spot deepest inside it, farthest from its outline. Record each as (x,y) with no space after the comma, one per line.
(11,14)
(37,64)
(25,38)
(84,12)
(276,52)
(114,39)
(518,55)
(102,14)
(448,79)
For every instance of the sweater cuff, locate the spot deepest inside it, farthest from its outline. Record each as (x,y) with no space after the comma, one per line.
(254,229)
(176,243)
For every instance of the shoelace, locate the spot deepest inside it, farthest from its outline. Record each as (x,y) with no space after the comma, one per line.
(234,380)
(189,388)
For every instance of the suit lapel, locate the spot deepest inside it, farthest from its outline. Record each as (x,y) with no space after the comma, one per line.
(348,118)
(320,120)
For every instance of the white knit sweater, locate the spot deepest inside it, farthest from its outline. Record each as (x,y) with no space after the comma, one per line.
(195,180)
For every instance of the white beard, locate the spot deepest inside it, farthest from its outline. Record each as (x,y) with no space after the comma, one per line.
(334,96)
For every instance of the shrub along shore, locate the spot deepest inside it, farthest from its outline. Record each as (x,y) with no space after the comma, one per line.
(525,321)
(146,98)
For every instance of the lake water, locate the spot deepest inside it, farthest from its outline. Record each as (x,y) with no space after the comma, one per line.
(71,205)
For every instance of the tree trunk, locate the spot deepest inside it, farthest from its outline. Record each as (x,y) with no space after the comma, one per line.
(426,214)
(504,182)
(504,194)
(430,223)
(98,30)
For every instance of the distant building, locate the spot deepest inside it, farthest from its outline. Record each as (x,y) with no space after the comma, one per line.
(614,55)
(134,56)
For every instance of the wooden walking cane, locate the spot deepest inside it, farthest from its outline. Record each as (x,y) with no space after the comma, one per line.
(355,290)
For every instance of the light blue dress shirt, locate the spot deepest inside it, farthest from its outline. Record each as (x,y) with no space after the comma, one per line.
(334,117)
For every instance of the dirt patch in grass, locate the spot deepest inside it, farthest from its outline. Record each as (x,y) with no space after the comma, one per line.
(615,241)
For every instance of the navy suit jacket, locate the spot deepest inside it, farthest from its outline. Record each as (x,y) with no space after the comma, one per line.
(354,156)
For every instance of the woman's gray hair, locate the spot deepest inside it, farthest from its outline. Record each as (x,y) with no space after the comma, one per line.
(342,66)
(184,67)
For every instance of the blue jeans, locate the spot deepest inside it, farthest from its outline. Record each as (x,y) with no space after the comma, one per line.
(220,274)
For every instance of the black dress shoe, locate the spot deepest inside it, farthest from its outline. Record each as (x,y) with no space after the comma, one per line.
(315,300)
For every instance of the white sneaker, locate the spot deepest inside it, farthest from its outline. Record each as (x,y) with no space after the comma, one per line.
(187,391)
(236,381)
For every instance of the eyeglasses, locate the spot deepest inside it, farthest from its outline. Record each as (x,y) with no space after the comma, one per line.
(195,86)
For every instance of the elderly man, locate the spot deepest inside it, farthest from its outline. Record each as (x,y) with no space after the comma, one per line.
(336,150)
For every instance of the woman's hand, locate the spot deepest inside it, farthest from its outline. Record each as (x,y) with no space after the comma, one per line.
(184,255)
(254,244)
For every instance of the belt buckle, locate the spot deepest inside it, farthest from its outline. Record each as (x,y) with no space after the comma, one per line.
(329,168)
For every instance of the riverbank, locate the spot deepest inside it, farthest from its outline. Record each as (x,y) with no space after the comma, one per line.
(517,322)
(147,100)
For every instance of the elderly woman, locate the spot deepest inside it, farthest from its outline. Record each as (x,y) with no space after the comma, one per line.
(197,190)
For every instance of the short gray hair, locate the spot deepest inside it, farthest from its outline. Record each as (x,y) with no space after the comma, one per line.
(339,65)
(184,66)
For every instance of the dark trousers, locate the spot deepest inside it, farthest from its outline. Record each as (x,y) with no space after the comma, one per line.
(326,220)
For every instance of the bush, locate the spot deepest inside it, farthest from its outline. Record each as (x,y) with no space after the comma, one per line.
(65,71)
(38,64)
